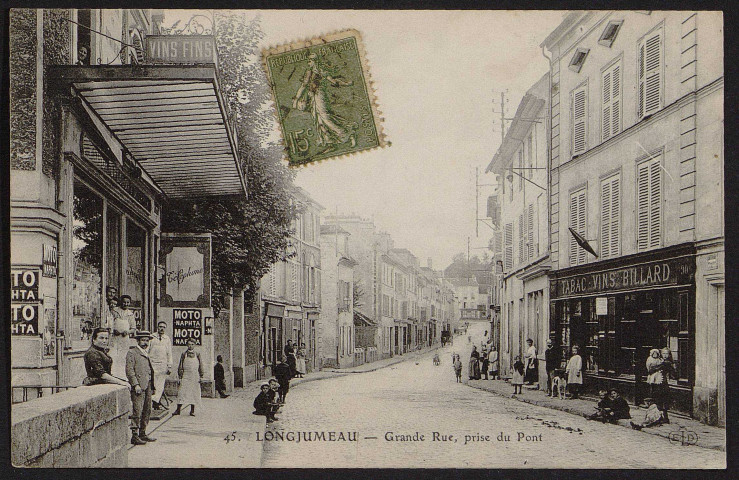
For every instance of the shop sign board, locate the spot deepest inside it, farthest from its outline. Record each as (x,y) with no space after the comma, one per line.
(24,301)
(186,49)
(186,279)
(208,326)
(601,306)
(674,271)
(187,323)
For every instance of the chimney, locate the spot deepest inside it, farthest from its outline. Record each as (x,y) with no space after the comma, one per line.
(429,264)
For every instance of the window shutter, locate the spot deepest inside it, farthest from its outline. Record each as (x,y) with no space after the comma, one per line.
(649,201)
(611,114)
(605,219)
(530,239)
(577,222)
(610,229)
(655,203)
(508,254)
(579,120)
(650,74)
(581,253)
(521,230)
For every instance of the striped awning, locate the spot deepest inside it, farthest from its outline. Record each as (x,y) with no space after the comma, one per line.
(170,118)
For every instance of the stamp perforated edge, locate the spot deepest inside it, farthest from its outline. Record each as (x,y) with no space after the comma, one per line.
(369,86)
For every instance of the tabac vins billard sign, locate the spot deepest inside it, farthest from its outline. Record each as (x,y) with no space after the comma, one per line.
(674,271)
(180,49)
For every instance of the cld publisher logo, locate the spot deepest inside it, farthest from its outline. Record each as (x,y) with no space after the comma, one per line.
(683,437)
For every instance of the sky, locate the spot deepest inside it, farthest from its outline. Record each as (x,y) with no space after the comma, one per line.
(438,76)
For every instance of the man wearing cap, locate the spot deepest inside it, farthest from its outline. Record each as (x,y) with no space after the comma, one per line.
(160,354)
(552,360)
(140,375)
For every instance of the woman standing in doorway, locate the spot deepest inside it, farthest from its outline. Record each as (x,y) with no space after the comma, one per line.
(190,372)
(662,390)
(300,361)
(532,363)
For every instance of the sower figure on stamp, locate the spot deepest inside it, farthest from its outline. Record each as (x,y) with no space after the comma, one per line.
(160,354)
(140,375)
(313,96)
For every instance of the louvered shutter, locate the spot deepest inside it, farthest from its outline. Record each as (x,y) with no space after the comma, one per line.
(508,246)
(611,114)
(521,230)
(577,222)
(530,224)
(581,253)
(655,204)
(650,74)
(649,205)
(579,120)
(610,229)
(605,219)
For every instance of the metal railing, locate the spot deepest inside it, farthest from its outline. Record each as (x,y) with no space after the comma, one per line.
(38,389)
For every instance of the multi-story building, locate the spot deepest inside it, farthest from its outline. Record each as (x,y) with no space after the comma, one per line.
(636,153)
(103,136)
(521,165)
(336,338)
(290,292)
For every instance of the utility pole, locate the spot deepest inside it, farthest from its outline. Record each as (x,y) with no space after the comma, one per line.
(502,116)
(468,258)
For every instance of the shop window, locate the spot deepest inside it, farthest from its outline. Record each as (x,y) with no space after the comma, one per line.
(627,335)
(136,269)
(113,249)
(87,252)
(592,330)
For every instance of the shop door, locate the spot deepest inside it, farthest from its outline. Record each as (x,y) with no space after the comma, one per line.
(719,292)
(648,333)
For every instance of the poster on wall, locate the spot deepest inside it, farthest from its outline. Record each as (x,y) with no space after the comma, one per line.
(24,301)
(186,279)
(49,326)
(187,323)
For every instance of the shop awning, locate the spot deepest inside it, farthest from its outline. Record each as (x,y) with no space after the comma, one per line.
(171,118)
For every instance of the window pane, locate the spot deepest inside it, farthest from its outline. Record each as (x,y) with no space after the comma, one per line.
(136,268)
(113,249)
(87,251)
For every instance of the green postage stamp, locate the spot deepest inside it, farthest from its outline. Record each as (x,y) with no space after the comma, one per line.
(323,96)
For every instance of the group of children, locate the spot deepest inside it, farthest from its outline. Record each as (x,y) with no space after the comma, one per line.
(269,400)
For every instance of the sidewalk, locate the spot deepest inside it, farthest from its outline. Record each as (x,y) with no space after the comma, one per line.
(707,436)
(200,442)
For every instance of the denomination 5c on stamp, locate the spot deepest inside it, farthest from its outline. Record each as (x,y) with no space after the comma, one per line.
(323,97)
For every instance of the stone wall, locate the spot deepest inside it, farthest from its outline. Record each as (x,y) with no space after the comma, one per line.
(82,427)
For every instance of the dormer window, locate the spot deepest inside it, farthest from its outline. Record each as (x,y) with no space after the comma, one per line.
(609,34)
(578,59)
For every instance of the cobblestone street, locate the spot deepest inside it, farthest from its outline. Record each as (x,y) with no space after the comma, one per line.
(415,396)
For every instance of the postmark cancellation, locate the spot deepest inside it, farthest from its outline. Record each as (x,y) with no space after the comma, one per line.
(323,96)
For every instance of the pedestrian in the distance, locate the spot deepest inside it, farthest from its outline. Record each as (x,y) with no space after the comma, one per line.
(485,364)
(140,375)
(494,364)
(190,371)
(552,361)
(532,363)
(518,372)
(300,366)
(457,368)
(282,373)
(474,365)
(574,373)
(219,375)
(290,358)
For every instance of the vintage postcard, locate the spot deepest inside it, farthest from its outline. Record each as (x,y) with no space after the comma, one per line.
(531,277)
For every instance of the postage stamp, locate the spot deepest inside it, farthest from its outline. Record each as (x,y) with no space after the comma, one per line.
(323,97)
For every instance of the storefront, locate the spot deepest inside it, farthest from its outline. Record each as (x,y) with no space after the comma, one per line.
(617,310)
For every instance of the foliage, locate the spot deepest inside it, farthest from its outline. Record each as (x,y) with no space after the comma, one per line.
(480,269)
(357,294)
(249,234)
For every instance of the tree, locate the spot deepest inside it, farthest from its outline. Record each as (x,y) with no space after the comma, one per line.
(249,234)
(357,294)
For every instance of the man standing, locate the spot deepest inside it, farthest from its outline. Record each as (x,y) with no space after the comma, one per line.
(140,375)
(219,375)
(282,373)
(160,354)
(290,358)
(552,360)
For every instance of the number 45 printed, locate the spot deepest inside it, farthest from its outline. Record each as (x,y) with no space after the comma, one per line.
(298,141)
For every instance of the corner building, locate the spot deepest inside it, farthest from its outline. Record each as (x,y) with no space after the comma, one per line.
(636,153)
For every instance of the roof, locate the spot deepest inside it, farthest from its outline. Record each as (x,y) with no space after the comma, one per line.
(333,229)
(170,118)
(569,21)
(464,282)
(304,196)
(528,110)
(360,319)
